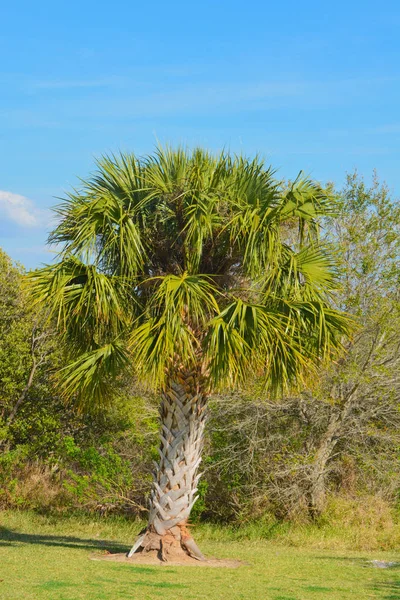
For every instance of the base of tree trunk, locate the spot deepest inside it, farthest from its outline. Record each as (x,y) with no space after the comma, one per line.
(175,544)
(152,558)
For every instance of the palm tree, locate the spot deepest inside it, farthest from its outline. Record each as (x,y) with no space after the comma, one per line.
(189,271)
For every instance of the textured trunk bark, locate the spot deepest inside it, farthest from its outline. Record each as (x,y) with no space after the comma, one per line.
(182,416)
(324,453)
(322,456)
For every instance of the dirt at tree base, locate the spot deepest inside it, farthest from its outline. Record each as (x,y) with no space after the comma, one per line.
(152,558)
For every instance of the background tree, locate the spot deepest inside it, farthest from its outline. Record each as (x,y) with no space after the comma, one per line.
(364,391)
(177,266)
(341,434)
(24,344)
(48,449)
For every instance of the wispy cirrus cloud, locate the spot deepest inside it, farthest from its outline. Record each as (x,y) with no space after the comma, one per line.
(390,128)
(21,210)
(77,83)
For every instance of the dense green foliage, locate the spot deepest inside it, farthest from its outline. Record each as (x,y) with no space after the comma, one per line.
(183,260)
(265,457)
(15,332)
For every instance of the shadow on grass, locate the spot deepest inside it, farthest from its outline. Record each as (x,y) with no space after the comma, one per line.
(57,585)
(390,589)
(10,537)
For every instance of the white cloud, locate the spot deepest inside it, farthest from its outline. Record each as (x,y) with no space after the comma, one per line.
(21,210)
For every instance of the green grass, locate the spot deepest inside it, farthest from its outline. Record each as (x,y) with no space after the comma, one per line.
(47,558)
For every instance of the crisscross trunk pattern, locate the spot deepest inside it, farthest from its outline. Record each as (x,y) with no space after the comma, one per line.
(183,417)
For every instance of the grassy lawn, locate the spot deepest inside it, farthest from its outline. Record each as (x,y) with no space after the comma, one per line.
(48,558)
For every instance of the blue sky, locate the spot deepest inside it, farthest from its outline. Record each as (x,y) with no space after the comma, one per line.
(309,85)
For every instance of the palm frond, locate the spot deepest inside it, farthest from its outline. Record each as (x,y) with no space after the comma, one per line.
(176,316)
(89,379)
(306,201)
(104,222)
(87,305)
(309,273)
(253,338)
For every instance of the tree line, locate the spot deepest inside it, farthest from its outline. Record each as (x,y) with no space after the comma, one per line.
(285,454)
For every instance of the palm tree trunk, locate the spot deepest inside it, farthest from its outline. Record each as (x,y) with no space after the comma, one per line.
(182,416)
